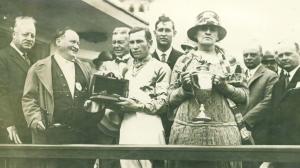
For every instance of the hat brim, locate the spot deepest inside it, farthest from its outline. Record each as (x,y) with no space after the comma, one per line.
(183,46)
(191,33)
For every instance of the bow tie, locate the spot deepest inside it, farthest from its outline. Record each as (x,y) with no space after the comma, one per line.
(119,60)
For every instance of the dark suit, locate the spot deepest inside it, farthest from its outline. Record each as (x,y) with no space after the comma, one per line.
(260,89)
(285,120)
(174,55)
(285,116)
(13,70)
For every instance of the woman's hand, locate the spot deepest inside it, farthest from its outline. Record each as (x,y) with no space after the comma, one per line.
(219,81)
(186,81)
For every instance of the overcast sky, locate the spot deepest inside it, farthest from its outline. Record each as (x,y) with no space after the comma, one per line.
(263,21)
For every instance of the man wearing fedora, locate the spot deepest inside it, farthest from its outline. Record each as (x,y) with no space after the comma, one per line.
(268,60)
(216,125)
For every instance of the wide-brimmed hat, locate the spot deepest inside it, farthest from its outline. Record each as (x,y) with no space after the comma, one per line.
(110,123)
(188,43)
(207,18)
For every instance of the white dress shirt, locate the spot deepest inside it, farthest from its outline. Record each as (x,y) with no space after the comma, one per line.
(292,72)
(251,72)
(68,69)
(159,53)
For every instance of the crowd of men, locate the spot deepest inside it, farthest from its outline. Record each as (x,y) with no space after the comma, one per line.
(47,102)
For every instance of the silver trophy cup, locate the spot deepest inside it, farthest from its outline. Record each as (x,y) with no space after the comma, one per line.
(201,87)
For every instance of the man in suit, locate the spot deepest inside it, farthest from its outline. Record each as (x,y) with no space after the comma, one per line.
(165,32)
(56,89)
(120,46)
(260,83)
(285,114)
(14,64)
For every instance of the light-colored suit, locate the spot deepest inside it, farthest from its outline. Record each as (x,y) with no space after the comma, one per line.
(38,95)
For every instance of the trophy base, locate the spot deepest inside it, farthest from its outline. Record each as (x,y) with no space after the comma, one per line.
(200,120)
(202,117)
(104,98)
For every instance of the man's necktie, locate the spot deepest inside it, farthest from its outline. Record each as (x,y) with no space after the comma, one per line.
(119,60)
(286,79)
(163,57)
(248,75)
(26,59)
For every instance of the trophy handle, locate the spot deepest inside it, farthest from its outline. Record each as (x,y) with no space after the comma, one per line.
(195,82)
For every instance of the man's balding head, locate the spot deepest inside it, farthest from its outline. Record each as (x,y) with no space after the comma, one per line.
(24,33)
(120,44)
(287,55)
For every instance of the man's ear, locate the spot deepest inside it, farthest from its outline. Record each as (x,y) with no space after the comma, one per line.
(57,41)
(13,35)
(150,42)
(174,32)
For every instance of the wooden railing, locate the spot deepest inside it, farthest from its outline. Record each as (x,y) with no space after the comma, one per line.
(163,152)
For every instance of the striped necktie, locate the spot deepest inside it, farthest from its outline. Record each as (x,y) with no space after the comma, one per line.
(286,79)
(163,57)
(26,59)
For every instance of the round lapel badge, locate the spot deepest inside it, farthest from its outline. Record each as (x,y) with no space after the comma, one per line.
(78,86)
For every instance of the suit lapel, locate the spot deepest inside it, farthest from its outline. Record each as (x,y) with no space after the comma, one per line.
(15,56)
(44,74)
(295,79)
(154,55)
(260,71)
(84,70)
(170,58)
(291,85)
